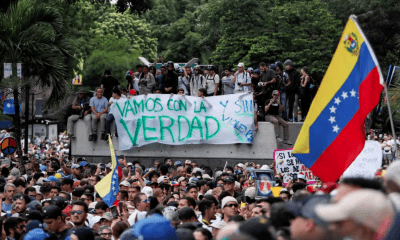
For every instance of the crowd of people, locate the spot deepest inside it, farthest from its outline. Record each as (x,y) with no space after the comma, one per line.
(277,92)
(47,196)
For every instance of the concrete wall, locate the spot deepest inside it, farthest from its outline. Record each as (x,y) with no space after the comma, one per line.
(213,155)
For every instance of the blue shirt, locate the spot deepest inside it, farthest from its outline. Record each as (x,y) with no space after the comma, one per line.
(99,104)
(6,207)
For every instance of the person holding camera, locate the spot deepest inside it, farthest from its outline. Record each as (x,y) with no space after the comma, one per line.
(273,114)
(283,82)
(80,110)
(242,80)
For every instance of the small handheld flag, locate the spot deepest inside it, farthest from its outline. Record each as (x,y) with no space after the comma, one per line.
(108,187)
(333,133)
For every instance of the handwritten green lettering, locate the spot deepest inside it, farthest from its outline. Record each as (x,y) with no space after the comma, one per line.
(180,128)
(198,127)
(162,127)
(145,128)
(208,135)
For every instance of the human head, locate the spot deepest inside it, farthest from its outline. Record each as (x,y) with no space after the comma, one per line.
(202,92)
(52,216)
(99,92)
(14,227)
(105,232)
(288,64)
(192,191)
(116,93)
(141,202)
(21,202)
(186,202)
(207,208)
(229,207)
(107,73)
(101,208)
(82,233)
(79,213)
(9,191)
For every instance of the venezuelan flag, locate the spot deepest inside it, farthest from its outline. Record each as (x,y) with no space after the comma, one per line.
(108,187)
(333,134)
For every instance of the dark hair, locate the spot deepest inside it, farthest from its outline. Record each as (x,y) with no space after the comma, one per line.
(139,66)
(123,193)
(137,199)
(89,196)
(11,222)
(68,181)
(203,90)
(19,182)
(222,195)
(119,228)
(204,205)
(22,196)
(116,91)
(165,186)
(363,183)
(46,187)
(157,89)
(305,69)
(270,200)
(152,173)
(90,187)
(163,67)
(205,232)
(101,205)
(262,64)
(29,189)
(68,196)
(280,216)
(153,202)
(80,203)
(191,201)
(128,78)
(107,72)
(180,89)
(299,186)
(164,169)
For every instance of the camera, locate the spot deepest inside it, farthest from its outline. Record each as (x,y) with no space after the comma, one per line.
(260,84)
(85,107)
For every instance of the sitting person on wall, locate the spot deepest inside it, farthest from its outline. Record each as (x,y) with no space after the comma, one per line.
(99,106)
(80,109)
(273,114)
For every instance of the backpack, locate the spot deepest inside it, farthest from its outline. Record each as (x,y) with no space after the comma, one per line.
(219,88)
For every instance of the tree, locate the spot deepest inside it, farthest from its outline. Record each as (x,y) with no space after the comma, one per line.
(32,33)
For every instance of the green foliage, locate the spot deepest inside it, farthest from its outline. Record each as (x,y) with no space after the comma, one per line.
(112,53)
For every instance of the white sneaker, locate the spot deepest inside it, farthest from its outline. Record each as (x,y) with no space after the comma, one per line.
(279,139)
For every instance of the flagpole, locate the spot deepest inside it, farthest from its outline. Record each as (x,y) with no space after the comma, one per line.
(391,122)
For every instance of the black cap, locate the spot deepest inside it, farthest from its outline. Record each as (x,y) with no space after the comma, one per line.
(34,215)
(257,227)
(51,212)
(186,213)
(84,233)
(229,179)
(77,192)
(60,202)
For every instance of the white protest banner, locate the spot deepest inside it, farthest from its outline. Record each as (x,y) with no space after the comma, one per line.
(289,166)
(366,163)
(176,120)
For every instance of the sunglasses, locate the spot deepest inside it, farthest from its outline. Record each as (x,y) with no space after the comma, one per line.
(76,212)
(18,198)
(106,234)
(83,199)
(220,185)
(146,201)
(228,205)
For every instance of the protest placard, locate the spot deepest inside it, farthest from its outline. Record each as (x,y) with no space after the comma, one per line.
(178,120)
(366,163)
(289,166)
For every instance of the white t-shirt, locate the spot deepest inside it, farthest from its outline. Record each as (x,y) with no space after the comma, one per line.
(210,83)
(386,148)
(243,77)
(140,216)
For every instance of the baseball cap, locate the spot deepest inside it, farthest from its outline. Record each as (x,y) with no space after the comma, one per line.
(33,205)
(240,65)
(94,220)
(107,216)
(229,179)
(34,215)
(241,165)
(154,228)
(43,168)
(109,166)
(218,224)
(181,179)
(257,228)
(365,206)
(227,199)
(177,163)
(132,92)
(188,162)
(124,183)
(186,213)
(84,233)
(257,71)
(127,235)
(162,178)
(301,176)
(35,234)
(83,163)
(75,166)
(60,202)
(129,72)
(148,191)
(275,92)
(250,192)
(171,213)
(306,208)
(52,212)
(52,179)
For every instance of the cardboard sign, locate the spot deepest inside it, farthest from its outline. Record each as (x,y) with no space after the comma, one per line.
(367,162)
(289,166)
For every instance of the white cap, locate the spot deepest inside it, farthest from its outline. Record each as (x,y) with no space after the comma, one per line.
(265,167)
(162,178)
(92,205)
(241,65)
(301,176)
(250,192)
(148,191)
(94,220)
(218,224)
(188,161)
(240,165)
(125,183)
(367,207)
(227,199)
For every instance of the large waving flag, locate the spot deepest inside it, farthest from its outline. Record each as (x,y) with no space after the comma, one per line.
(108,187)
(333,133)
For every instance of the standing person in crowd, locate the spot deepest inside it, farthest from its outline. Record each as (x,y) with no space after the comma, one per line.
(108,83)
(212,81)
(268,80)
(158,78)
(229,86)
(242,80)
(130,80)
(183,80)
(273,114)
(305,92)
(255,79)
(283,82)
(292,89)
(99,107)
(196,81)
(80,109)
(169,80)
(386,150)
(146,81)
(116,95)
